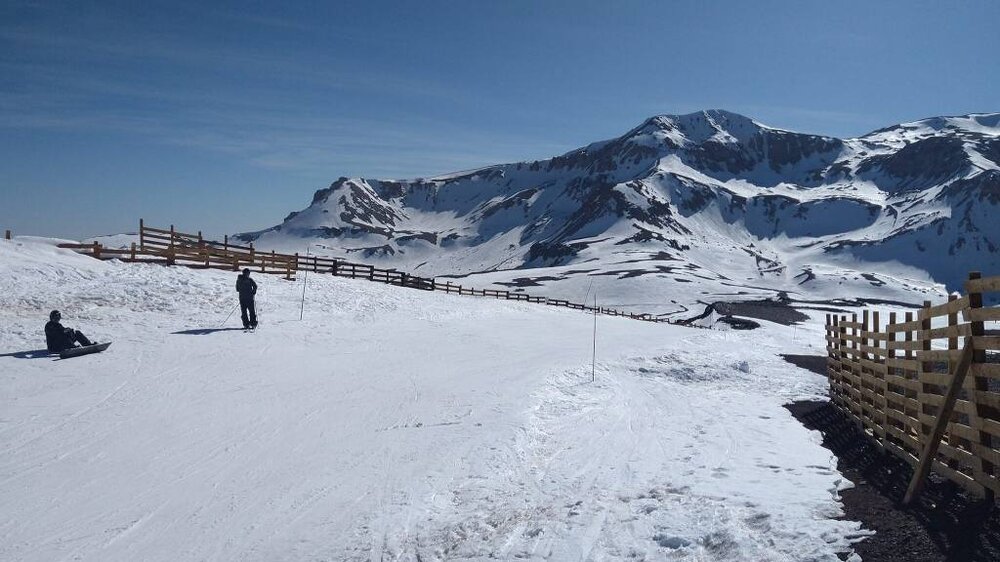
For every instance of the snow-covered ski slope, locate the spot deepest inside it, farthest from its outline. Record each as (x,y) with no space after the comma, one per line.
(391,424)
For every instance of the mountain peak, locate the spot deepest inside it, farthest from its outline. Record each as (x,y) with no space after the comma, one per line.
(710,124)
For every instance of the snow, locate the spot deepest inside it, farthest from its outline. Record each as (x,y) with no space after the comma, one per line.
(392,424)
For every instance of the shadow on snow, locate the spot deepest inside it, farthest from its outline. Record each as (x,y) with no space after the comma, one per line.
(203,331)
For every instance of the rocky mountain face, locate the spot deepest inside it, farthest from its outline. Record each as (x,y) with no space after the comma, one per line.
(691,207)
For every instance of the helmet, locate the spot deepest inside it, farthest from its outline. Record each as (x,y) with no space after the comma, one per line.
(54,315)
(246,271)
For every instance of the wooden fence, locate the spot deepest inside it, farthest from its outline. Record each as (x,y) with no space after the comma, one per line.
(171,247)
(926,386)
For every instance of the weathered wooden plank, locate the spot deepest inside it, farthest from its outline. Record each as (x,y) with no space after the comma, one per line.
(988,398)
(942,379)
(878,351)
(155,238)
(904,326)
(851,325)
(989,426)
(957,430)
(985,314)
(959,331)
(986,453)
(874,366)
(987,370)
(950,307)
(961,455)
(986,343)
(148,229)
(984,285)
(901,452)
(940,355)
(905,345)
(959,478)
(962,406)
(906,364)
(990,482)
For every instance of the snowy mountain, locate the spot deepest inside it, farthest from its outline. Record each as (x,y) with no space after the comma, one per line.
(710,205)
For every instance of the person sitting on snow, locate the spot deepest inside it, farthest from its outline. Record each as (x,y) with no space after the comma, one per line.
(58,338)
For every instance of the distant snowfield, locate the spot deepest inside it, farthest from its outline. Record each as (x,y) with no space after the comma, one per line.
(392,424)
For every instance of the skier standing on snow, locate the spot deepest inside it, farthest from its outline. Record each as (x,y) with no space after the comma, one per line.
(58,338)
(247,288)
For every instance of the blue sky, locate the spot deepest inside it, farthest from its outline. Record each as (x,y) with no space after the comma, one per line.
(226,116)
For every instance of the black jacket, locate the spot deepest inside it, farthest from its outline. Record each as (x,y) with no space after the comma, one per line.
(57,338)
(246,287)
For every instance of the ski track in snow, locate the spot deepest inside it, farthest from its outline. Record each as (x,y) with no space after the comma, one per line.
(392,425)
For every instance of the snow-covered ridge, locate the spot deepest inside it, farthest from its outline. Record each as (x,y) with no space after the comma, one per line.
(700,206)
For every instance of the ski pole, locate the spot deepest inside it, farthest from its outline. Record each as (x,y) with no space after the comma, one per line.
(230,314)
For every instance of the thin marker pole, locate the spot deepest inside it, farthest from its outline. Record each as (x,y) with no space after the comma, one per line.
(305,276)
(593,358)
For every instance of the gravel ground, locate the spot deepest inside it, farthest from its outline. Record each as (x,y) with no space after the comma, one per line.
(944,524)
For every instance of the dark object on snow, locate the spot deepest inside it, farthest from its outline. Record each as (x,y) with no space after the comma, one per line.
(247,288)
(739,323)
(85,350)
(58,338)
(814,363)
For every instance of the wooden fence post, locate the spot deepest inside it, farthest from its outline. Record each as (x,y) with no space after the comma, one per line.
(172,234)
(878,381)
(867,402)
(952,322)
(142,234)
(856,378)
(133,251)
(334,268)
(97,250)
(225,243)
(7,235)
(982,384)
(251,253)
(845,365)
(925,340)
(891,354)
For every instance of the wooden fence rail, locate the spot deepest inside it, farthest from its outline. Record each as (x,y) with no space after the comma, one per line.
(172,247)
(917,393)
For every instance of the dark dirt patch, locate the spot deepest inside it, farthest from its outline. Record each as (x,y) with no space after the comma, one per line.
(739,323)
(814,363)
(770,310)
(943,524)
(776,311)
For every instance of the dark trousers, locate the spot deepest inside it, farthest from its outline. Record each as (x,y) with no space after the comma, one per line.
(74,336)
(247,308)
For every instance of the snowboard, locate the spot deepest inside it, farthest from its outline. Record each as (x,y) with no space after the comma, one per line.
(84,350)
